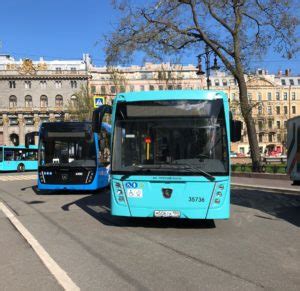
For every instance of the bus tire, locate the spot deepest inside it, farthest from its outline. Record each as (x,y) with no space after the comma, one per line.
(21,168)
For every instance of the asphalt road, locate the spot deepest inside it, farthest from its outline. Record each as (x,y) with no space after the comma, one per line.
(258,248)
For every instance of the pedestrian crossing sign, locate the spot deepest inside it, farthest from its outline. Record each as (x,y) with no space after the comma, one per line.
(98,101)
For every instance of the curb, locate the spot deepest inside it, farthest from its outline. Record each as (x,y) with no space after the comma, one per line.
(261,175)
(265,188)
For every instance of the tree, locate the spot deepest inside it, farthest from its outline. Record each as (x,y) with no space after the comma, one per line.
(81,105)
(236,30)
(118,78)
(169,76)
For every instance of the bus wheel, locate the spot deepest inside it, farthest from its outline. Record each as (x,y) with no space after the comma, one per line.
(21,168)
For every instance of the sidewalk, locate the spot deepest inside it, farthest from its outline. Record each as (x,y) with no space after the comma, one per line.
(274,185)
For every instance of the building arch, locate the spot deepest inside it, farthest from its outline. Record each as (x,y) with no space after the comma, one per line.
(28,101)
(43,101)
(13,101)
(59,101)
(14,138)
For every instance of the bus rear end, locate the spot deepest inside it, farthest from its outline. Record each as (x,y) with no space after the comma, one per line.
(68,157)
(170,155)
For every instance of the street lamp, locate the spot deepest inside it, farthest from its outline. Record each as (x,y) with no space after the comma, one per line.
(206,55)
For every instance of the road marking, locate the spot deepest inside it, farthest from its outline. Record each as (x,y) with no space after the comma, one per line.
(60,275)
(18,178)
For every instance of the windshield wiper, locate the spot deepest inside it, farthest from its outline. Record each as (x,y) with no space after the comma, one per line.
(198,170)
(140,169)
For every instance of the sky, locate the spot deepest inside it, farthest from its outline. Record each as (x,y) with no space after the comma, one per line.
(65,29)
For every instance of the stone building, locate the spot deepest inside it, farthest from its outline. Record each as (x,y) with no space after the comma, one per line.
(35,91)
(274,98)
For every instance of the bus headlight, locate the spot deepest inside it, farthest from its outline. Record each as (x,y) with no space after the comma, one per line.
(218,195)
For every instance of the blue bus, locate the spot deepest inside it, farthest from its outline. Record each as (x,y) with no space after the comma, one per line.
(18,158)
(170,153)
(72,156)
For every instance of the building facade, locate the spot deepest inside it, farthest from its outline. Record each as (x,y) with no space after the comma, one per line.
(273,98)
(35,91)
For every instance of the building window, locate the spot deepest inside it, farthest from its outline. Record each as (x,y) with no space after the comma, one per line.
(260,137)
(250,96)
(161,87)
(103,90)
(59,102)
(12,84)
(242,150)
(293,95)
(285,109)
(12,101)
(179,87)
(217,82)
(259,96)
(285,123)
(142,88)
(291,82)
(73,69)
(269,96)
(285,95)
(122,88)
(43,84)
(151,88)
(58,70)
(298,81)
(278,137)
(93,89)
(269,110)
(73,101)
(131,88)
(224,82)
(27,84)
(113,89)
(58,84)
(278,124)
(73,84)
(294,109)
(277,96)
(233,96)
(270,124)
(44,101)
(283,82)
(270,137)
(28,101)
(260,125)
(260,111)
(277,109)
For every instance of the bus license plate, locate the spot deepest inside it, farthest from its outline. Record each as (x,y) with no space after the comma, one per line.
(168,213)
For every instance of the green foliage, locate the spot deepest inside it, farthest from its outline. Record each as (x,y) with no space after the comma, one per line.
(81,108)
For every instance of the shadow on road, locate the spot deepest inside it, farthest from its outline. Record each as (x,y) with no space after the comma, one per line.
(282,206)
(98,206)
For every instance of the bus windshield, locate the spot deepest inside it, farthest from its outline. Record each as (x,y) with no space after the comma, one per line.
(71,152)
(176,137)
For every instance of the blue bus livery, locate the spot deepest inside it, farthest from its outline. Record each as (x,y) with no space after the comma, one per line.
(170,153)
(18,158)
(70,157)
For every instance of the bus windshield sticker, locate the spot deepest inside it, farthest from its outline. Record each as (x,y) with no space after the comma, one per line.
(134,193)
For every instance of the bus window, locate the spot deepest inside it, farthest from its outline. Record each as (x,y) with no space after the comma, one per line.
(8,155)
(1,154)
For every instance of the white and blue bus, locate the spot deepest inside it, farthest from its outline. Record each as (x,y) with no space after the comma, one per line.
(72,156)
(18,158)
(170,153)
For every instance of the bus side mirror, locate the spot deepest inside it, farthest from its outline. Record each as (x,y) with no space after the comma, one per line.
(98,115)
(235,130)
(29,138)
